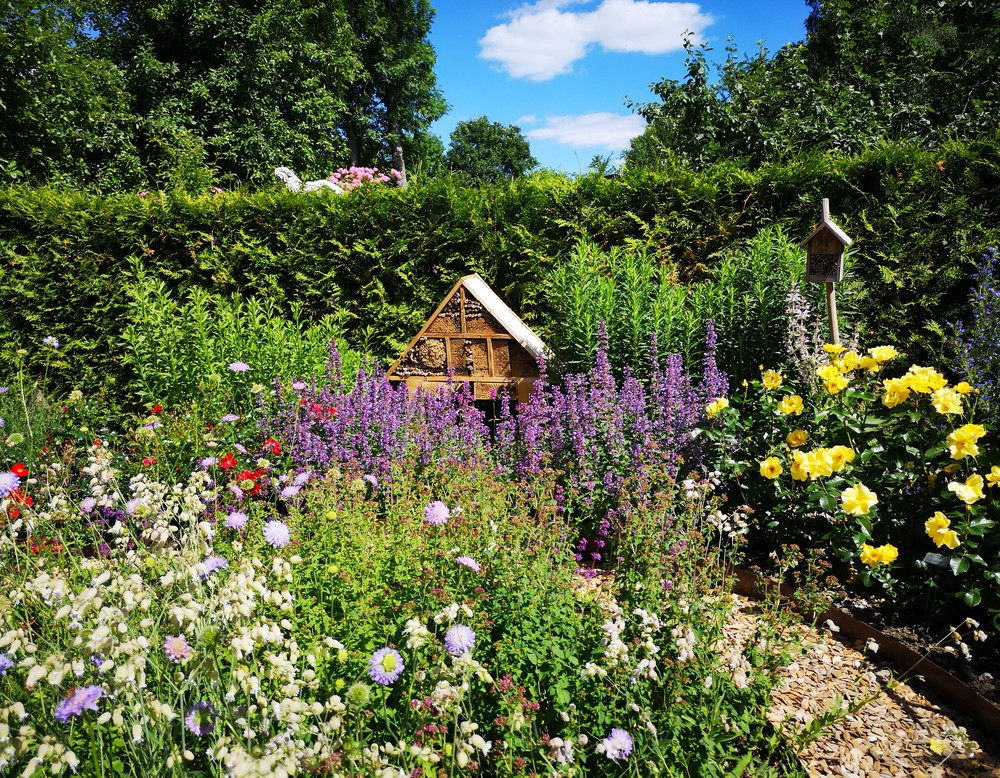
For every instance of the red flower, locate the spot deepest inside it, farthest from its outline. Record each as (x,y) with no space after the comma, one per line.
(19,470)
(250,476)
(21,498)
(332,411)
(227,461)
(272,445)
(157,408)
(147,461)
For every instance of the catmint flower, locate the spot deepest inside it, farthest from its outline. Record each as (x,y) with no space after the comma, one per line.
(385,666)
(80,699)
(201,718)
(239,367)
(8,483)
(277,534)
(176,648)
(237,520)
(617,745)
(459,639)
(5,663)
(468,562)
(436,513)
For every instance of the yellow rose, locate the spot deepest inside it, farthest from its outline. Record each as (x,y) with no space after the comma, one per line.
(796,437)
(835,384)
(790,404)
(993,477)
(771,468)
(869,364)
(830,348)
(771,379)
(964,387)
(819,463)
(947,400)
(962,442)
(841,455)
(937,527)
(869,556)
(969,492)
(848,361)
(828,372)
(887,553)
(883,353)
(895,392)
(858,500)
(924,380)
(798,468)
(715,406)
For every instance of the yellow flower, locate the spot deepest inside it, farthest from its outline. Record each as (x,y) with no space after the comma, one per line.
(716,405)
(882,555)
(939,747)
(962,442)
(924,380)
(947,400)
(895,391)
(830,348)
(796,437)
(836,384)
(868,555)
(869,364)
(826,372)
(858,500)
(848,361)
(798,468)
(993,477)
(969,492)
(937,527)
(883,353)
(964,387)
(771,379)
(790,404)
(771,467)
(841,455)
(819,463)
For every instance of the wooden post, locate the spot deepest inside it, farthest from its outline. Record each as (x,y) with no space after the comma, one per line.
(831,294)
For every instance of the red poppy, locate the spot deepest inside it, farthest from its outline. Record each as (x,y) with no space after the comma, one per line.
(227,461)
(157,408)
(332,411)
(272,445)
(19,470)
(21,498)
(247,481)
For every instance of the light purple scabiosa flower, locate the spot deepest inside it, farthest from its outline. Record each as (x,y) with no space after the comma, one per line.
(5,663)
(8,483)
(134,504)
(201,718)
(176,648)
(213,564)
(469,562)
(385,666)
(302,478)
(436,513)
(2,422)
(229,418)
(289,492)
(298,386)
(277,534)
(76,702)
(88,504)
(239,367)
(4,389)
(237,492)
(370,479)
(51,340)
(617,745)
(207,462)
(237,520)
(459,639)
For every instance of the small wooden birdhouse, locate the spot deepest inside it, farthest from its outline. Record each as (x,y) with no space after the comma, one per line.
(825,250)
(474,334)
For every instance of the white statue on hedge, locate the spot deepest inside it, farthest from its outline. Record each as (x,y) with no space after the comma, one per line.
(295,184)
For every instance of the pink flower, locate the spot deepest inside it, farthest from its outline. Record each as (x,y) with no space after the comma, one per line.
(176,648)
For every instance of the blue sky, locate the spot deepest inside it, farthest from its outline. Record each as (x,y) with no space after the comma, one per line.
(562,70)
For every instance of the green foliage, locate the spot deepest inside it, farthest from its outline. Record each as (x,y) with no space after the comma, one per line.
(485,151)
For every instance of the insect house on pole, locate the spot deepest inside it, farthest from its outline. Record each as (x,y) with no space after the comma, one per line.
(475,336)
(825,251)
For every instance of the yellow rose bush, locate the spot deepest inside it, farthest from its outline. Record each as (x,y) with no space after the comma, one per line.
(882,464)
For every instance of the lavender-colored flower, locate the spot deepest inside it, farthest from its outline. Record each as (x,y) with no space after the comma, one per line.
(277,534)
(213,564)
(97,659)
(207,462)
(239,367)
(242,449)
(298,386)
(237,520)
(436,513)
(5,663)
(8,483)
(133,505)
(289,492)
(2,422)
(51,340)
(76,702)
(176,648)
(237,492)
(229,418)
(302,478)
(617,745)
(468,562)
(385,666)
(201,718)
(4,389)
(372,480)
(87,504)
(459,639)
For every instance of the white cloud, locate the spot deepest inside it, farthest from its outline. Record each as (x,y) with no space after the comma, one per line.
(610,131)
(542,40)
(527,119)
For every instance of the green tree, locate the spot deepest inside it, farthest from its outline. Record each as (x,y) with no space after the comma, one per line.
(487,152)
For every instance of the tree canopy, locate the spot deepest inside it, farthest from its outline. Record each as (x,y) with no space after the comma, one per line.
(486,152)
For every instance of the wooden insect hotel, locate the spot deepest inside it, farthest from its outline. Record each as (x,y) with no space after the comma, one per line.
(825,250)
(478,339)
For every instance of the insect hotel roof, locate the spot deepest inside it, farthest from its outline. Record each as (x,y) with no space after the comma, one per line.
(476,336)
(825,250)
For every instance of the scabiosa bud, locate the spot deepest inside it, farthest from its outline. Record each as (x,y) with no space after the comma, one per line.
(459,639)
(358,695)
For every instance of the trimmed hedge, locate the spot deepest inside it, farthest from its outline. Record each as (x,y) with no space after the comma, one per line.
(384,257)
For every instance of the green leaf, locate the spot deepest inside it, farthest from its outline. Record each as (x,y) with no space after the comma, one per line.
(972,598)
